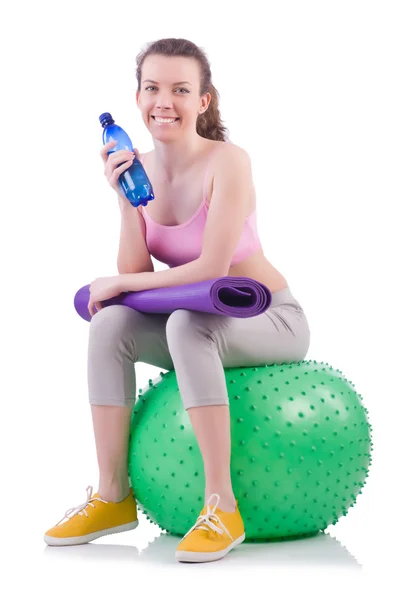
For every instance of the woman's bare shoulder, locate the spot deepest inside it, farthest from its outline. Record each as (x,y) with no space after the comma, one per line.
(229,150)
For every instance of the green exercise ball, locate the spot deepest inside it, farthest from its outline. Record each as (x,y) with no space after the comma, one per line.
(301,445)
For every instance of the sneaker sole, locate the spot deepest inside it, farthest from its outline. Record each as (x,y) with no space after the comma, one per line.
(84,539)
(185,556)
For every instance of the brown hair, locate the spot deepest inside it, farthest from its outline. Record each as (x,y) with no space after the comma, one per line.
(209,123)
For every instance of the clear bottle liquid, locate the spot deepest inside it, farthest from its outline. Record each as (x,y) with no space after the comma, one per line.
(133,182)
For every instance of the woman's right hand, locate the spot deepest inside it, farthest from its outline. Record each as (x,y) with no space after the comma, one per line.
(113,168)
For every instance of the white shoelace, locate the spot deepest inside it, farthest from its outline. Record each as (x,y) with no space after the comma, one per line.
(71,512)
(204,521)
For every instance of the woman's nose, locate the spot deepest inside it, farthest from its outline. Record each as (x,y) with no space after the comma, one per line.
(163,102)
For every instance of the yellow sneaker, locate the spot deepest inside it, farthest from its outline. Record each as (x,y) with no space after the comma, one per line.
(92,519)
(214,534)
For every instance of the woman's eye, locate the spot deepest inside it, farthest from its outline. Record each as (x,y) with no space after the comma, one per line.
(152,86)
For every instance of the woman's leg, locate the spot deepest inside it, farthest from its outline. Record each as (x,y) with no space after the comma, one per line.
(201,345)
(119,337)
(211,425)
(111,430)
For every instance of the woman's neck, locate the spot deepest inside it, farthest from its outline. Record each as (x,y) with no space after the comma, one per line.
(172,159)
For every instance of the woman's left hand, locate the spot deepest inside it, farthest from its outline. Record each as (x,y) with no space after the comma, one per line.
(104,288)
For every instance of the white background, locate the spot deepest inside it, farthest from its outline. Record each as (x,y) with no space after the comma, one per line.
(309,90)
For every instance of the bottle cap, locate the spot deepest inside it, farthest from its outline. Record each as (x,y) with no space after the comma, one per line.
(106,119)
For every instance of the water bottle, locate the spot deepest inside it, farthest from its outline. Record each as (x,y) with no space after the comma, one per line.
(134,181)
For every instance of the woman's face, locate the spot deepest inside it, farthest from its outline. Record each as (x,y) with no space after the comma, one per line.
(170,89)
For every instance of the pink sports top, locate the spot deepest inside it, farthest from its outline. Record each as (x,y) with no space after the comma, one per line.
(176,245)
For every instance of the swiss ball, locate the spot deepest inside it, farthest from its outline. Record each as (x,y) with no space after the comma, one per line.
(300,455)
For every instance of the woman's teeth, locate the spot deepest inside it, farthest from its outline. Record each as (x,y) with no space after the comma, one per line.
(160,120)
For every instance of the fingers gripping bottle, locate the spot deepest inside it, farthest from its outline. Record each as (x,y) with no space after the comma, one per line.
(134,181)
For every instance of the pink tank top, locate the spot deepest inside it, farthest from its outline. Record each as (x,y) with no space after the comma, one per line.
(175,245)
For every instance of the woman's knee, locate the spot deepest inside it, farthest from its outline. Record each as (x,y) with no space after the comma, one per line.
(183,325)
(178,319)
(112,323)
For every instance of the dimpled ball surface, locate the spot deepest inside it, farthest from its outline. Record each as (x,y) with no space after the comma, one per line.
(301,450)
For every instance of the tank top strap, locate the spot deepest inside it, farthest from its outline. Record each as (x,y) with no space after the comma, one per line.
(209,163)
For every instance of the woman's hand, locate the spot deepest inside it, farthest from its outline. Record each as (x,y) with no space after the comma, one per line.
(104,288)
(115,164)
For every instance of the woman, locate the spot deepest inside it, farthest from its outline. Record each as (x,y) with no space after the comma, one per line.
(203,225)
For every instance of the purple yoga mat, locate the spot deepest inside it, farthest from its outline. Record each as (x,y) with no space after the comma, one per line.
(241,297)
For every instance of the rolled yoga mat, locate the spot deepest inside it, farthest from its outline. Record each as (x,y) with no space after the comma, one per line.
(240,297)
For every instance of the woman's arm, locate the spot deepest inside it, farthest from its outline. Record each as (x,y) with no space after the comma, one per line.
(133,255)
(192,272)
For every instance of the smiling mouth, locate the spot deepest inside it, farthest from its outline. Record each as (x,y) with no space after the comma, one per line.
(175,119)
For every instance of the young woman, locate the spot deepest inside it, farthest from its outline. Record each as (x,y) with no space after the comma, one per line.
(202,223)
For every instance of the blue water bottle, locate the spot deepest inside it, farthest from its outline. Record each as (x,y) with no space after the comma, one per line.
(133,182)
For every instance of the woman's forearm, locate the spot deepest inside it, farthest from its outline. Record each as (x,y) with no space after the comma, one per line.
(191,272)
(133,256)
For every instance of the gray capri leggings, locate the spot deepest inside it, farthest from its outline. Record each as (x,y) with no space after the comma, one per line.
(197,345)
